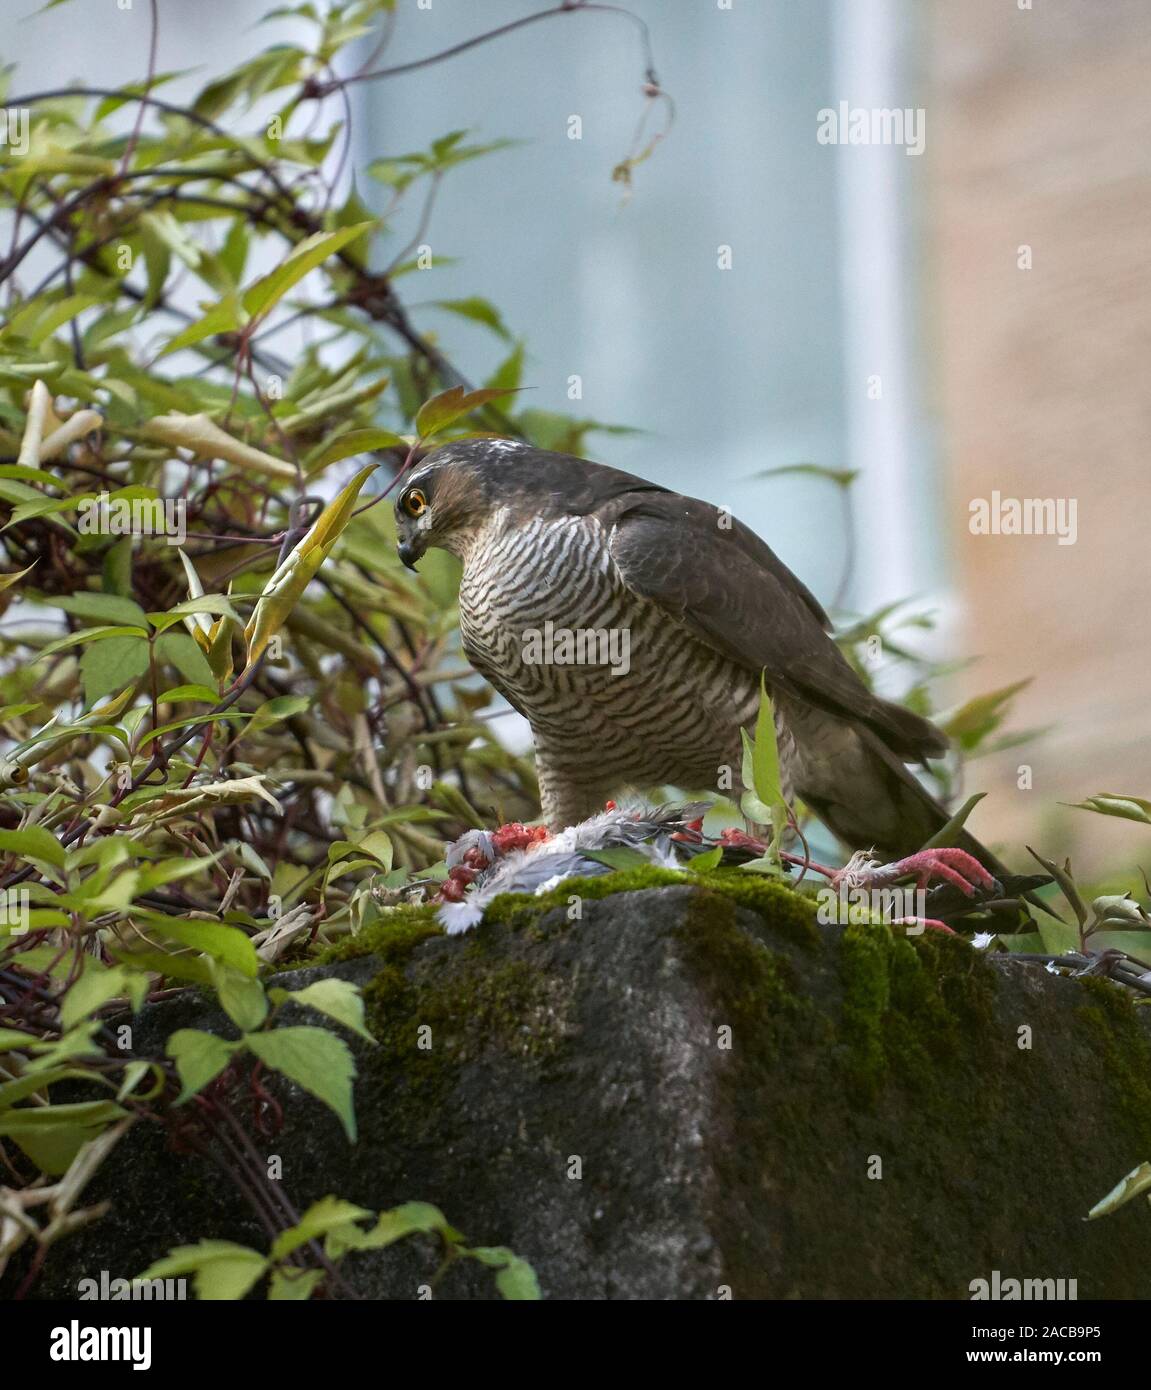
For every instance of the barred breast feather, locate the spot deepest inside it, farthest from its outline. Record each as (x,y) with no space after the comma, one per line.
(672,714)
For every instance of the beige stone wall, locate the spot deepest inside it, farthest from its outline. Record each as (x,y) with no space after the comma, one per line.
(1040,135)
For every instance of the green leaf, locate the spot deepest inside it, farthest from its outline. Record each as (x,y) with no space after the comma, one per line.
(338,999)
(134,1073)
(1116,804)
(226,944)
(54,1151)
(96,988)
(222,317)
(90,634)
(199,1057)
(451,405)
(110,664)
(293,1285)
(1058,937)
(708,860)
(945,838)
(354,443)
(326,1215)
(316,1060)
(116,570)
(203,694)
(192,968)
(267,291)
(33,843)
(508,375)
(761,775)
(201,603)
(515,1278)
(410,1219)
(273,711)
(43,506)
(157,258)
(220,1269)
(478,310)
(619,858)
(179,649)
(980,717)
(87,1113)
(199,720)
(378,843)
(103,608)
(1131,943)
(1061,873)
(172,870)
(765,757)
(24,1086)
(1028,942)
(241,997)
(841,477)
(76,1042)
(1137,1181)
(287,584)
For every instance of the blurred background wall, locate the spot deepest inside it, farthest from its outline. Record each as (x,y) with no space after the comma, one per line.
(850,266)
(1039,383)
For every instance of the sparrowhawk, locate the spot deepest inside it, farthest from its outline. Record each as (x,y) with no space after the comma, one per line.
(681,608)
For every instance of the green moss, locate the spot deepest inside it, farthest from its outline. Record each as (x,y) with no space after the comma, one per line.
(780,907)
(429,1022)
(753,988)
(866,973)
(493,1007)
(911,1004)
(398,931)
(1114,1028)
(506,1008)
(402,928)
(520,910)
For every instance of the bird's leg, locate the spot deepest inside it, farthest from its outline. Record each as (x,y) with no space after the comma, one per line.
(947,865)
(863,872)
(562,802)
(917,925)
(954,866)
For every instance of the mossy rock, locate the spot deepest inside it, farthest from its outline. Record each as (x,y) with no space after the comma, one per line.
(653,1088)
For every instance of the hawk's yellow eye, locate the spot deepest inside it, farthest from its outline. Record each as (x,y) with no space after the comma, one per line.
(415,503)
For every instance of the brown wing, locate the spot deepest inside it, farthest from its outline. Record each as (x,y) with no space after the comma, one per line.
(730,589)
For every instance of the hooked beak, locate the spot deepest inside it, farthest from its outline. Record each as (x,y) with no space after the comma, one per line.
(409,552)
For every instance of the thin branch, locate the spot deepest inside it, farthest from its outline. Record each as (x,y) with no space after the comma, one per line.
(318,90)
(134,138)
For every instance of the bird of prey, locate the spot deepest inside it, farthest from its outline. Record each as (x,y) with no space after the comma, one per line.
(630,626)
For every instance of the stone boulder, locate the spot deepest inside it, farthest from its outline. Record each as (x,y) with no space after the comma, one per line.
(694,1092)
